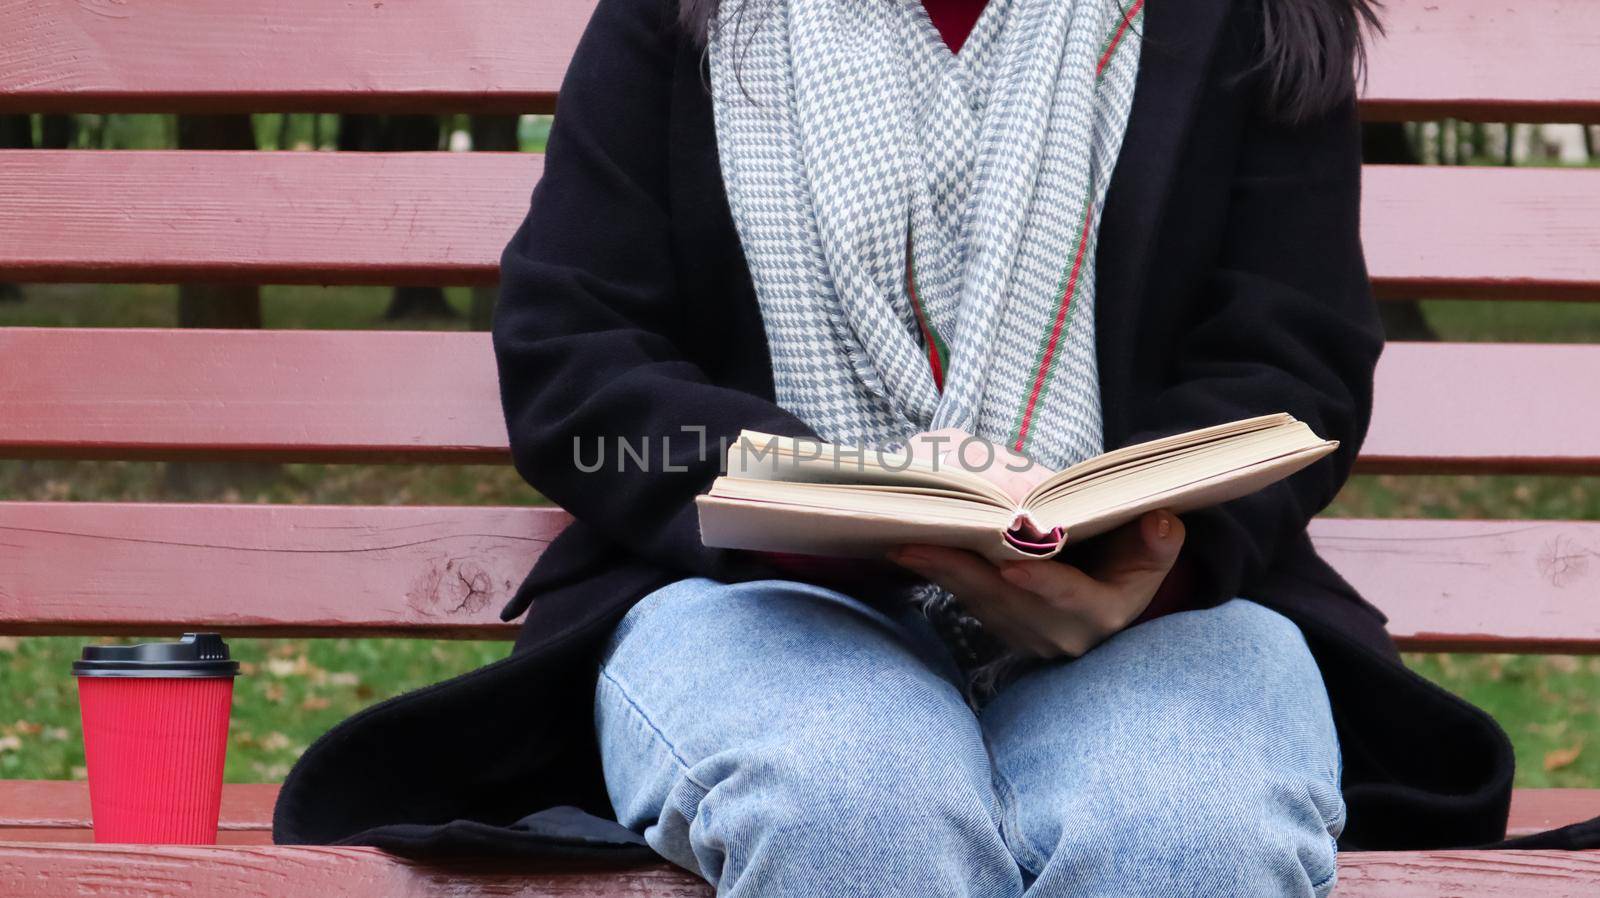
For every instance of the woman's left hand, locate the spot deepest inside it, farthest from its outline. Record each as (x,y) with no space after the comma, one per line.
(1048,608)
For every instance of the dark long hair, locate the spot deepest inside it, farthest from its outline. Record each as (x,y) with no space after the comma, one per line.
(1312,53)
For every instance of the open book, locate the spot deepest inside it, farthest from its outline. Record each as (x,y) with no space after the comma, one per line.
(787,495)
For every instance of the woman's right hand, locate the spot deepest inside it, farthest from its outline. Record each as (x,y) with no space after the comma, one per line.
(1015,474)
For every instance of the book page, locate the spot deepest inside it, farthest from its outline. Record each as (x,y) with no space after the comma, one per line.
(841,533)
(759,456)
(1132,455)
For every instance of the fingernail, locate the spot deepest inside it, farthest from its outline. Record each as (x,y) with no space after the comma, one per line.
(1163,527)
(908,557)
(1016,574)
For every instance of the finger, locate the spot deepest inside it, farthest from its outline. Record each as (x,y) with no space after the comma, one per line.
(1006,619)
(956,570)
(1056,582)
(1082,610)
(977,585)
(1047,607)
(1140,550)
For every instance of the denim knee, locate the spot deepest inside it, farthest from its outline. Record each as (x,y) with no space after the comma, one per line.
(780,739)
(1195,754)
(1240,833)
(886,805)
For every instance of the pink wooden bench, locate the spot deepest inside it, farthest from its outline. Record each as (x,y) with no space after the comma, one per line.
(427,218)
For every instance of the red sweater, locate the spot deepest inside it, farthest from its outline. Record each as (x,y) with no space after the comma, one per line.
(954,19)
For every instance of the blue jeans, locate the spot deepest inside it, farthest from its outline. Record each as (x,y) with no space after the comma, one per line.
(781,739)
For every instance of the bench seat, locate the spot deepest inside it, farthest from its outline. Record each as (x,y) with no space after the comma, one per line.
(58,811)
(54,870)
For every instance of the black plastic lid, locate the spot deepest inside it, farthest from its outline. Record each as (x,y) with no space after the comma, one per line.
(196,655)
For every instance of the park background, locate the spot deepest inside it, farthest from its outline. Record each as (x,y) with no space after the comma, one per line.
(295,689)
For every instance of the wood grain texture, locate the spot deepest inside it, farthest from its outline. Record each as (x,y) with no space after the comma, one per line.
(1536,810)
(1491,60)
(1484,233)
(40,870)
(58,870)
(397,396)
(115,568)
(271,217)
(263,569)
(62,806)
(1511,60)
(1477,407)
(1481,874)
(1496,586)
(443,218)
(57,811)
(264,395)
(504,56)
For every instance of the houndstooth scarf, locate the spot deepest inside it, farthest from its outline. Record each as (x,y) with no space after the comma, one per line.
(920,226)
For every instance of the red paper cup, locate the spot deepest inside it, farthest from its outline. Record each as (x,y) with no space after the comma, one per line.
(155,736)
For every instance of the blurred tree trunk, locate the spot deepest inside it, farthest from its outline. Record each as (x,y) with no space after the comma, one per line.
(1386,142)
(397,133)
(381,133)
(495,133)
(58,132)
(217,306)
(16,133)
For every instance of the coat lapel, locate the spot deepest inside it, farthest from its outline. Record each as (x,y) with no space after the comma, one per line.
(1180,39)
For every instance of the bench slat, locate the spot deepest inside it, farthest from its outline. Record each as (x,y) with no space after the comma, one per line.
(126,568)
(353,396)
(265,395)
(261,569)
(442,218)
(58,811)
(51,870)
(1482,233)
(1490,60)
(1480,586)
(220,216)
(1482,407)
(289,55)
(1496,60)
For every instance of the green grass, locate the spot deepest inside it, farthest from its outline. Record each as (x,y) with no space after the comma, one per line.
(296,689)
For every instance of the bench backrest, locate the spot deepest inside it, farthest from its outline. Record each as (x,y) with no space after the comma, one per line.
(441,218)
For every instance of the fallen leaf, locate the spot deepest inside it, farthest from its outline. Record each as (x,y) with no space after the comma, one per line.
(314,703)
(285,667)
(1563,664)
(1557,758)
(10,743)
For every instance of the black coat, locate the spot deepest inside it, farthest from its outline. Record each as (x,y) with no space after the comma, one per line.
(1231,283)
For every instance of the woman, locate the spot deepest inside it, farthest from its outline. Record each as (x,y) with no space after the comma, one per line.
(1060,226)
